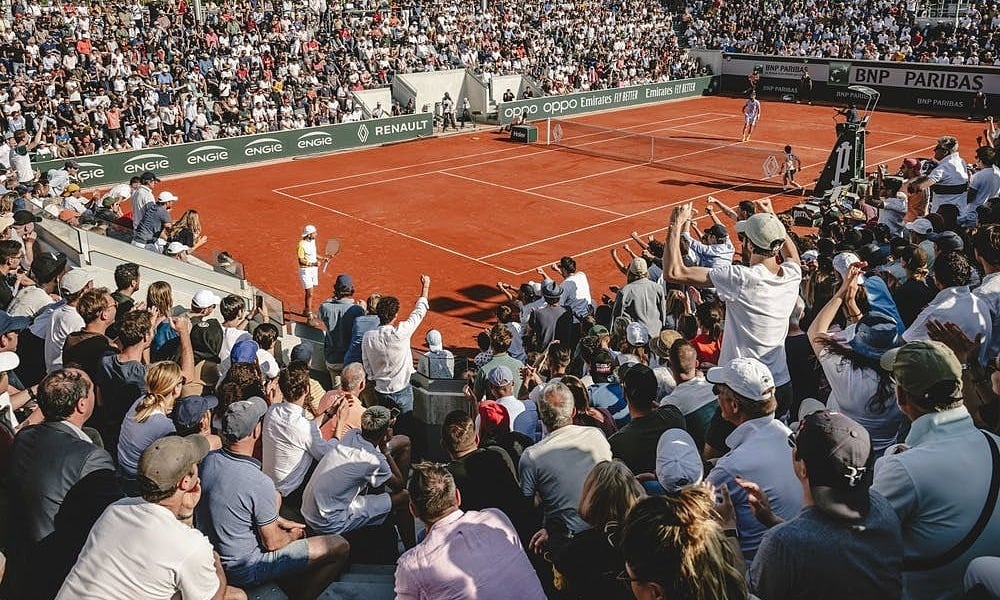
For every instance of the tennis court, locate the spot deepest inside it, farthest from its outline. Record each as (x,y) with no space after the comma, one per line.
(473,209)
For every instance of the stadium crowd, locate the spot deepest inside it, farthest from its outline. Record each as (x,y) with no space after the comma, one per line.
(92,77)
(891,31)
(756,411)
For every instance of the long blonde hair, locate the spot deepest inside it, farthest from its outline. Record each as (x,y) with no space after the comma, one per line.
(160,296)
(191,220)
(162,379)
(674,542)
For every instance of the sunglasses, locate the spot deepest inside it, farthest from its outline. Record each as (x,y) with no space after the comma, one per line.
(623,577)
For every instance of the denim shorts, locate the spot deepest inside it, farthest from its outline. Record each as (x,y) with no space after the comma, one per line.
(292,559)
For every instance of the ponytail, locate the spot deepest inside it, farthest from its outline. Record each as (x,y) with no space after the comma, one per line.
(161,379)
(674,541)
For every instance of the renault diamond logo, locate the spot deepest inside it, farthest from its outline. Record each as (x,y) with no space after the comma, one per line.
(363,133)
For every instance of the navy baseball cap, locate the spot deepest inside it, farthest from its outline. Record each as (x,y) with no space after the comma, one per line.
(189,410)
(9,323)
(149,176)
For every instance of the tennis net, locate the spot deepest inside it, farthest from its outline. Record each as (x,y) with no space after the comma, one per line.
(707,157)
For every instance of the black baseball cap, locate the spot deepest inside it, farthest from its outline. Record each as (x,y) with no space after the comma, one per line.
(23,217)
(838,456)
(718,230)
(47,266)
(149,176)
(602,366)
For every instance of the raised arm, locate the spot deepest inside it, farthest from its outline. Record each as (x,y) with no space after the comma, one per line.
(712,200)
(711,214)
(618,261)
(635,236)
(674,269)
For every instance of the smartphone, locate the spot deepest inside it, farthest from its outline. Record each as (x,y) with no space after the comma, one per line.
(259,302)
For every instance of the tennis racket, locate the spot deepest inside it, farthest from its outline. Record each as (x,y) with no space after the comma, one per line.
(331,250)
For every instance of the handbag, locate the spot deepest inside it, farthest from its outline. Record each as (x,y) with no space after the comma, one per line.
(935,562)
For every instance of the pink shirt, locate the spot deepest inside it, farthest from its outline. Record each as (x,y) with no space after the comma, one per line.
(474,554)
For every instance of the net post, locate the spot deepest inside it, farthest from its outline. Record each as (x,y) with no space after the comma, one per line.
(548,131)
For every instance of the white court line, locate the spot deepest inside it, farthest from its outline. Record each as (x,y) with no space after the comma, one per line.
(598,174)
(453,158)
(445,171)
(712,148)
(778,144)
(656,208)
(514,189)
(481,260)
(582,177)
(395,231)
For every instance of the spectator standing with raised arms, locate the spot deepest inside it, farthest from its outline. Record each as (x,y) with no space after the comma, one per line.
(759,297)
(386,356)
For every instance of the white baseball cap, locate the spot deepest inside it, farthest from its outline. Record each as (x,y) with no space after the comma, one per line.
(843,261)
(921,226)
(166,196)
(205,298)
(434,341)
(176,248)
(678,463)
(309,230)
(9,361)
(763,230)
(75,280)
(748,377)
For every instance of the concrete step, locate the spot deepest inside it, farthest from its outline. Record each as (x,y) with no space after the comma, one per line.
(343,590)
(266,592)
(359,582)
(389,570)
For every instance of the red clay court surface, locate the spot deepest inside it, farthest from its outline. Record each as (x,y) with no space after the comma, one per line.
(471,210)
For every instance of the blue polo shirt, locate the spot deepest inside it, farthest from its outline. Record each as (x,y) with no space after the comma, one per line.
(237,498)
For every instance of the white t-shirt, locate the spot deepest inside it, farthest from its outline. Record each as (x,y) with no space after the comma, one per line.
(65,320)
(758,304)
(576,294)
(231,335)
(892,214)
(138,549)
(950,171)
(851,390)
(291,442)
(330,502)
(987,185)
(514,407)
(961,307)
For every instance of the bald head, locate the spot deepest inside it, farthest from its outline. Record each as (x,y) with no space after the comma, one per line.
(683,361)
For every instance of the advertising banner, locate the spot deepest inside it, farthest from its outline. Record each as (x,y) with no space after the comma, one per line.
(535,109)
(109,169)
(920,87)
